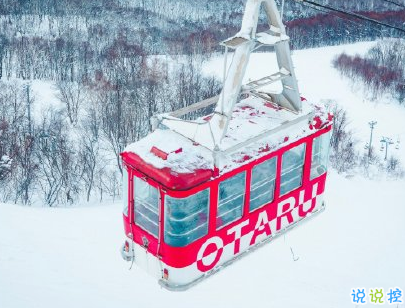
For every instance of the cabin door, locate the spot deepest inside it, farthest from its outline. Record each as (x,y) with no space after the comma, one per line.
(146,224)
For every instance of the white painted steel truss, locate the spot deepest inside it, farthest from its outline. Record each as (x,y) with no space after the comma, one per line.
(210,133)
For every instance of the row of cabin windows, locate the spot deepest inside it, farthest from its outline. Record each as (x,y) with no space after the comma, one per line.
(186,219)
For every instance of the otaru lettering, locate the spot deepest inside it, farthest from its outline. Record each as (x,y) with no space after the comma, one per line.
(253,230)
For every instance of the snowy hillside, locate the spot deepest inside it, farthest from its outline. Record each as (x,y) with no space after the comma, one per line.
(69,257)
(320,82)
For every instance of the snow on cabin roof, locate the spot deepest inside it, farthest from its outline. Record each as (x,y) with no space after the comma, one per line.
(254,116)
(182,155)
(251,117)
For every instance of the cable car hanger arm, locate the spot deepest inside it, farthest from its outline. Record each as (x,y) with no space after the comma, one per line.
(211,133)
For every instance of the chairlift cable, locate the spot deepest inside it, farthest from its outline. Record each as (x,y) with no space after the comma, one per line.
(394,3)
(354,22)
(362,17)
(336,15)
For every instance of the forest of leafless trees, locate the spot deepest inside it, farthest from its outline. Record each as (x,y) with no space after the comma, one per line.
(381,70)
(72,154)
(109,63)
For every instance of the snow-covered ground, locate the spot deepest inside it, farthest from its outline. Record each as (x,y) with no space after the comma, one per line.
(314,65)
(45,95)
(319,81)
(69,257)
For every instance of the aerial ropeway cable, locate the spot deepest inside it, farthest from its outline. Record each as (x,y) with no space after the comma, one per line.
(362,17)
(353,21)
(340,16)
(394,3)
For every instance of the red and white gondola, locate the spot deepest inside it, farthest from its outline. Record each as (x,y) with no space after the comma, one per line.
(200,194)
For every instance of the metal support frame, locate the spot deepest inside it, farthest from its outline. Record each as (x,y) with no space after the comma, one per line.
(386,142)
(243,44)
(267,133)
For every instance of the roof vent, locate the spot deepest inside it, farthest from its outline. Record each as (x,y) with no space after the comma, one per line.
(159,153)
(162,154)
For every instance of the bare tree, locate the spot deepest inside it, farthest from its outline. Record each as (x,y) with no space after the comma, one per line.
(394,167)
(5,167)
(73,95)
(59,167)
(343,154)
(90,153)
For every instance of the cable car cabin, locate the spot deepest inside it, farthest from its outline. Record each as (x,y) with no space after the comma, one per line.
(202,193)
(186,218)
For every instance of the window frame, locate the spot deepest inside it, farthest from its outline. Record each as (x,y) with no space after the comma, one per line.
(327,136)
(207,223)
(157,188)
(290,169)
(274,180)
(125,191)
(217,228)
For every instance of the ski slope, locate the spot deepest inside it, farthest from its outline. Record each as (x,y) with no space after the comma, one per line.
(69,257)
(319,81)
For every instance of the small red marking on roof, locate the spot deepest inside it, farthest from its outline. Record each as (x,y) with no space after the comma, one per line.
(272,106)
(159,153)
(178,151)
(330,116)
(246,107)
(246,157)
(265,149)
(317,123)
(243,159)
(207,118)
(303,99)
(286,138)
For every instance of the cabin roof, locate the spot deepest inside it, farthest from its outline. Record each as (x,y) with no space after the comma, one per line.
(169,157)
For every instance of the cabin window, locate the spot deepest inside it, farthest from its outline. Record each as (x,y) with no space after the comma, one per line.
(292,169)
(262,183)
(186,219)
(231,197)
(125,191)
(146,207)
(320,155)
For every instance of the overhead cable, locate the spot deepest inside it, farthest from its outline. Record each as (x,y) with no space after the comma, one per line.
(394,3)
(362,17)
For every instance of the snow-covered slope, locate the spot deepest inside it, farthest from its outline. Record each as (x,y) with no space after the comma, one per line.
(69,257)
(319,81)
